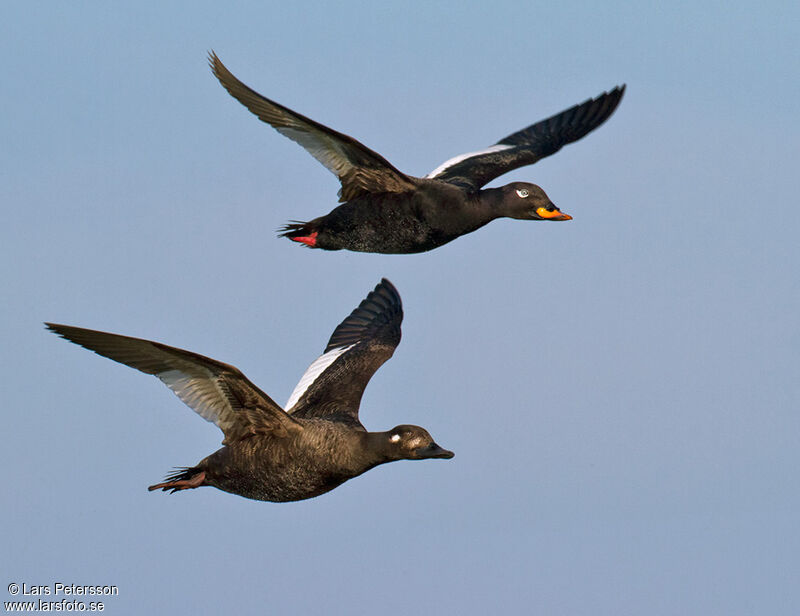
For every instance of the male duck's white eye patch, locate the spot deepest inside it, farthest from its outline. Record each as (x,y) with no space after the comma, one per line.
(394,438)
(522,192)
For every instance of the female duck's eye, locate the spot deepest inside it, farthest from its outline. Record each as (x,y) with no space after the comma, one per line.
(522,192)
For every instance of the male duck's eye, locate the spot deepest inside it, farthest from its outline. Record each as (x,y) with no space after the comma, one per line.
(522,192)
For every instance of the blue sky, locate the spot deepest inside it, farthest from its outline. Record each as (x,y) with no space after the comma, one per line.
(621,391)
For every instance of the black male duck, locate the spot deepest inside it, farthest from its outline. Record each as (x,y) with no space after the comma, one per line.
(384,210)
(270,454)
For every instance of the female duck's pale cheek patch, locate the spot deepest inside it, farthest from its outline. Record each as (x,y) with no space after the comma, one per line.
(394,438)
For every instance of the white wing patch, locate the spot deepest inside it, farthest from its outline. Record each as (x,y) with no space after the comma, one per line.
(312,373)
(460,157)
(199,392)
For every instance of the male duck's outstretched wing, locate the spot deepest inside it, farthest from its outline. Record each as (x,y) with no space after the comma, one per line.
(359,169)
(216,391)
(333,385)
(475,169)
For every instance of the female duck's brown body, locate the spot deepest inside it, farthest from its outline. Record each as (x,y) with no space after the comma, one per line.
(387,211)
(268,453)
(321,457)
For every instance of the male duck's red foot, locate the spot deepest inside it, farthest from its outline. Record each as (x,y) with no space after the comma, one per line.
(308,240)
(181,484)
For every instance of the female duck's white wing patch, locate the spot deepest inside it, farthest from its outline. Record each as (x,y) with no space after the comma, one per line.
(333,385)
(457,159)
(313,372)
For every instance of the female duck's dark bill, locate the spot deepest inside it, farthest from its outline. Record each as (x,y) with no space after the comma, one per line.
(434,451)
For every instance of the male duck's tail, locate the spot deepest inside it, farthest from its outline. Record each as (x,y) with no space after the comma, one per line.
(303,232)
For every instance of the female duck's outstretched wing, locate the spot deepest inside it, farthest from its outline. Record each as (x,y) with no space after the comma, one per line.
(333,385)
(359,169)
(216,391)
(525,147)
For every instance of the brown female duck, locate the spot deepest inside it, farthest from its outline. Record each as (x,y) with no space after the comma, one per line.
(313,446)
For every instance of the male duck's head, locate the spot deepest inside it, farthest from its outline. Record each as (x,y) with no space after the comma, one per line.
(525,201)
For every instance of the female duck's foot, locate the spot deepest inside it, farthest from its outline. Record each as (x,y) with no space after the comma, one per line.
(182,480)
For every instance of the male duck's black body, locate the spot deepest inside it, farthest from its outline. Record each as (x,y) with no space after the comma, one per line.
(430,216)
(384,210)
(270,454)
